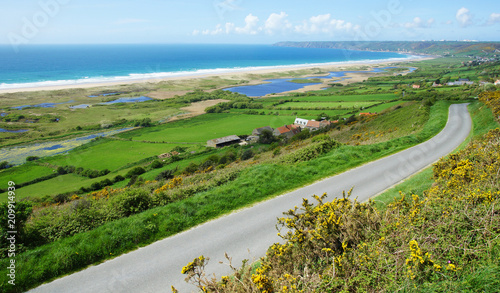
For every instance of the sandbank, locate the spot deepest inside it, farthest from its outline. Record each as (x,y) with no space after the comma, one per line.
(230,74)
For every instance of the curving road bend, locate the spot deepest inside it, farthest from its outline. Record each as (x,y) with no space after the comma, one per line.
(246,234)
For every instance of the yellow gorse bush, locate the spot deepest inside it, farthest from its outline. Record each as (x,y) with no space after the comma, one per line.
(171,184)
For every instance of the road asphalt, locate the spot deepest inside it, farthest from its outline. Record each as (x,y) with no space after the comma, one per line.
(247,233)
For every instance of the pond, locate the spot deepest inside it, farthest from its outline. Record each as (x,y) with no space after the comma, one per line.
(42,105)
(281,85)
(14,131)
(128,100)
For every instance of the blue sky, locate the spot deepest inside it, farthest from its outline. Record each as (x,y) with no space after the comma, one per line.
(244,21)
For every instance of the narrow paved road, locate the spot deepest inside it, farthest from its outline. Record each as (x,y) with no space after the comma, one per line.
(247,234)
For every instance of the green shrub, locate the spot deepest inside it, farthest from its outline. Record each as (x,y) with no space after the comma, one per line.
(118,178)
(247,155)
(165,175)
(32,158)
(191,168)
(132,202)
(22,210)
(136,171)
(311,152)
(156,164)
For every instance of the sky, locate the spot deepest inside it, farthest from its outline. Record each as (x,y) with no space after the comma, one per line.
(244,21)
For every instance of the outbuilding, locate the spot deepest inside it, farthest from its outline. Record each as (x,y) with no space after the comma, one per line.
(224,141)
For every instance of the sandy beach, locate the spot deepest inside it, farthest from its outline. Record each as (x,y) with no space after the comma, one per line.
(230,74)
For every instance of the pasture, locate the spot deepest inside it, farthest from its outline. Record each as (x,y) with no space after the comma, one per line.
(109,154)
(24,173)
(325,105)
(348,98)
(205,127)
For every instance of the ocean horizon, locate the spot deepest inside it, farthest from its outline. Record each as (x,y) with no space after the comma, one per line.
(57,65)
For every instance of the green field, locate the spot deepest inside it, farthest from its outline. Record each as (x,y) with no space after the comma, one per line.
(205,127)
(23,173)
(306,114)
(58,185)
(324,105)
(380,108)
(349,98)
(109,154)
(70,119)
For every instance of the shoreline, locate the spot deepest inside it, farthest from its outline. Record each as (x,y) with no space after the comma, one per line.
(233,73)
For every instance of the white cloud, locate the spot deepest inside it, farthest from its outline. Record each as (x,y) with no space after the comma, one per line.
(277,23)
(323,23)
(229,27)
(419,23)
(494,18)
(251,25)
(464,17)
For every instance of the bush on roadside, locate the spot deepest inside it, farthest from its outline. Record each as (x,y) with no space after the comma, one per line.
(132,202)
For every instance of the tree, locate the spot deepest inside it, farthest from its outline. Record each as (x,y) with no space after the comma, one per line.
(267,137)
(32,158)
(136,171)
(247,155)
(5,165)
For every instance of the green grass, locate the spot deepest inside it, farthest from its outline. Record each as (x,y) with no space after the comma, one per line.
(24,173)
(324,105)
(179,165)
(349,98)
(483,119)
(306,114)
(407,120)
(99,115)
(110,154)
(205,127)
(380,108)
(416,184)
(57,185)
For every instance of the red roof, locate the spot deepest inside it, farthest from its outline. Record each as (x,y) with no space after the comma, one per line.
(314,124)
(288,128)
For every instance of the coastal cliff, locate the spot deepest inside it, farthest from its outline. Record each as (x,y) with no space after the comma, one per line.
(425,47)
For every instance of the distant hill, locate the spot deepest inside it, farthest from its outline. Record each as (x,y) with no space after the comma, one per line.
(426,47)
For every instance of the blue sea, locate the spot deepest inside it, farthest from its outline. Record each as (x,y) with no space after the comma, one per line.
(49,65)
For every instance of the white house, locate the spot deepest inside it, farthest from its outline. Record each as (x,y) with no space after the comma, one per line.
(301,122)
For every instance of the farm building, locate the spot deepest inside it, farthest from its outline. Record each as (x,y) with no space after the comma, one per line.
(301,122)
(223,141)
(288,130)
(258,131)
(311,124)
(461,81)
